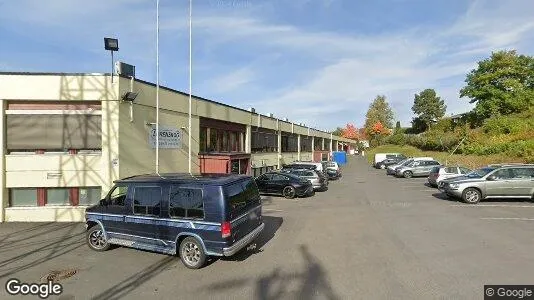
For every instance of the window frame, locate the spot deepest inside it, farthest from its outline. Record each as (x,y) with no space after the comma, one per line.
(135,187)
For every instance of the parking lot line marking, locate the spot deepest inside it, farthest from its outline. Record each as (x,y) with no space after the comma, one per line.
(491,205)
(519,219)
(272,209)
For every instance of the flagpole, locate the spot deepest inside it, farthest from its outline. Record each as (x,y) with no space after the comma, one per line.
(157,87)
(190,77)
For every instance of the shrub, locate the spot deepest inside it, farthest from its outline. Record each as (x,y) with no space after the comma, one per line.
(396,139)
(507,125)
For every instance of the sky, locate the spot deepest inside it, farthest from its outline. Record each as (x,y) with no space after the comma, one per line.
(317,62)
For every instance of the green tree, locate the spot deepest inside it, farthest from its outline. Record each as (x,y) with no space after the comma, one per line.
(418,126)
(398,128)
(379,112)
(428,107)
(338,131)
(501,85)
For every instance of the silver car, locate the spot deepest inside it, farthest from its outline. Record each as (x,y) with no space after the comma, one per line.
(504,181)
(318,180)
(416,168)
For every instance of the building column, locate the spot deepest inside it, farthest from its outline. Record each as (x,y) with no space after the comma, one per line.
(298,147)
(110,162)
(3,190)
(313,147)
(248,139)
(279,156)
(322,144)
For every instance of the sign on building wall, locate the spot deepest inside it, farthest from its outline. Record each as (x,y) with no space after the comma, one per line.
(169,137)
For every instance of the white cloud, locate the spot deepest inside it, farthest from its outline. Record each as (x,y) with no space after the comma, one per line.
(341,72)
(232,80)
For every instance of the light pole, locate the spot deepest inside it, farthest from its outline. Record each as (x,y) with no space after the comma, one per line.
(111,44)
(190,77)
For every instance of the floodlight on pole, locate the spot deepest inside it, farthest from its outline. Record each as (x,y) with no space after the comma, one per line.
(112,45)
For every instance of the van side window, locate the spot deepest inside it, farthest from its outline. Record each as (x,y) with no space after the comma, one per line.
(186,203)
(118,195)
(146,200)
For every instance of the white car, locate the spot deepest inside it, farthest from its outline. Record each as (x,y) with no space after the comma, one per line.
(440,173)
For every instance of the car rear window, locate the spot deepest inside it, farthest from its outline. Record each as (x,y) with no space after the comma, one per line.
(435,170)
(241,196)
(452,170)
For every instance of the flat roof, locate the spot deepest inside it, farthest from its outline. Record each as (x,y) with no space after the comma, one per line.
(215,179)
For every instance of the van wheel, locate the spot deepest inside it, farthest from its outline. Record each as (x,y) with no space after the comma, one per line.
(289,192)
(96,240)
(192,253)
(471,196)
(407,174)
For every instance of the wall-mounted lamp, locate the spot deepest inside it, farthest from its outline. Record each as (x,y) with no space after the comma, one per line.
(129,96)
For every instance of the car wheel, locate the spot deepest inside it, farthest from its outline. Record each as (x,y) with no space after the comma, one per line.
(289,192)
(96,239)
(382,166)
(407,174)
(471,196)
(192,253)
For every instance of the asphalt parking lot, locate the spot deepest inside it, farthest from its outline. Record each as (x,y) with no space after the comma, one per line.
(370,236)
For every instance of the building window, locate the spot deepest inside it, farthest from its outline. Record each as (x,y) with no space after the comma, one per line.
(305,144)
(186,203)
(289,143)
(203,139)
(89,195)
(23,197)
(147,200)
(318,144)
(57,196)
(264,141)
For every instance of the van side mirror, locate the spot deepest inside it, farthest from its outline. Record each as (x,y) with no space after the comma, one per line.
(104,202)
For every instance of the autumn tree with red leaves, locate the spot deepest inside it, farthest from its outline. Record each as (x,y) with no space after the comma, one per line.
(350,132)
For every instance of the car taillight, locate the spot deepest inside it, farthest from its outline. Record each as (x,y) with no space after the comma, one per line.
(226,229)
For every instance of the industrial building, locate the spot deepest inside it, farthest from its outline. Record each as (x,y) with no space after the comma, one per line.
(66,137)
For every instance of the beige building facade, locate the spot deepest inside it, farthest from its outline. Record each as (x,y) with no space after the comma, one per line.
(66,137)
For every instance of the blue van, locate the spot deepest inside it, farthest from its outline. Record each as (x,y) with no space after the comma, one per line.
(194,217)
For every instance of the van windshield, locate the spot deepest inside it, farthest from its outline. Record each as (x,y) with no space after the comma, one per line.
(241,196)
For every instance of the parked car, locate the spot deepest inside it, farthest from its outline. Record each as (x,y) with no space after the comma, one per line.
(391,169)
(504,181)
(416,168)
(439,173)
(333,170)
(320,166)
(285,184)
(379,157)
(318,181)
(194,217)
(389,161)
(309,166)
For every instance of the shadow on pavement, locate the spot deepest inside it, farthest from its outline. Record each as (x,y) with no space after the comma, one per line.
(129,284)
(443,196)
(36,245)
(272,224)
(311,282)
